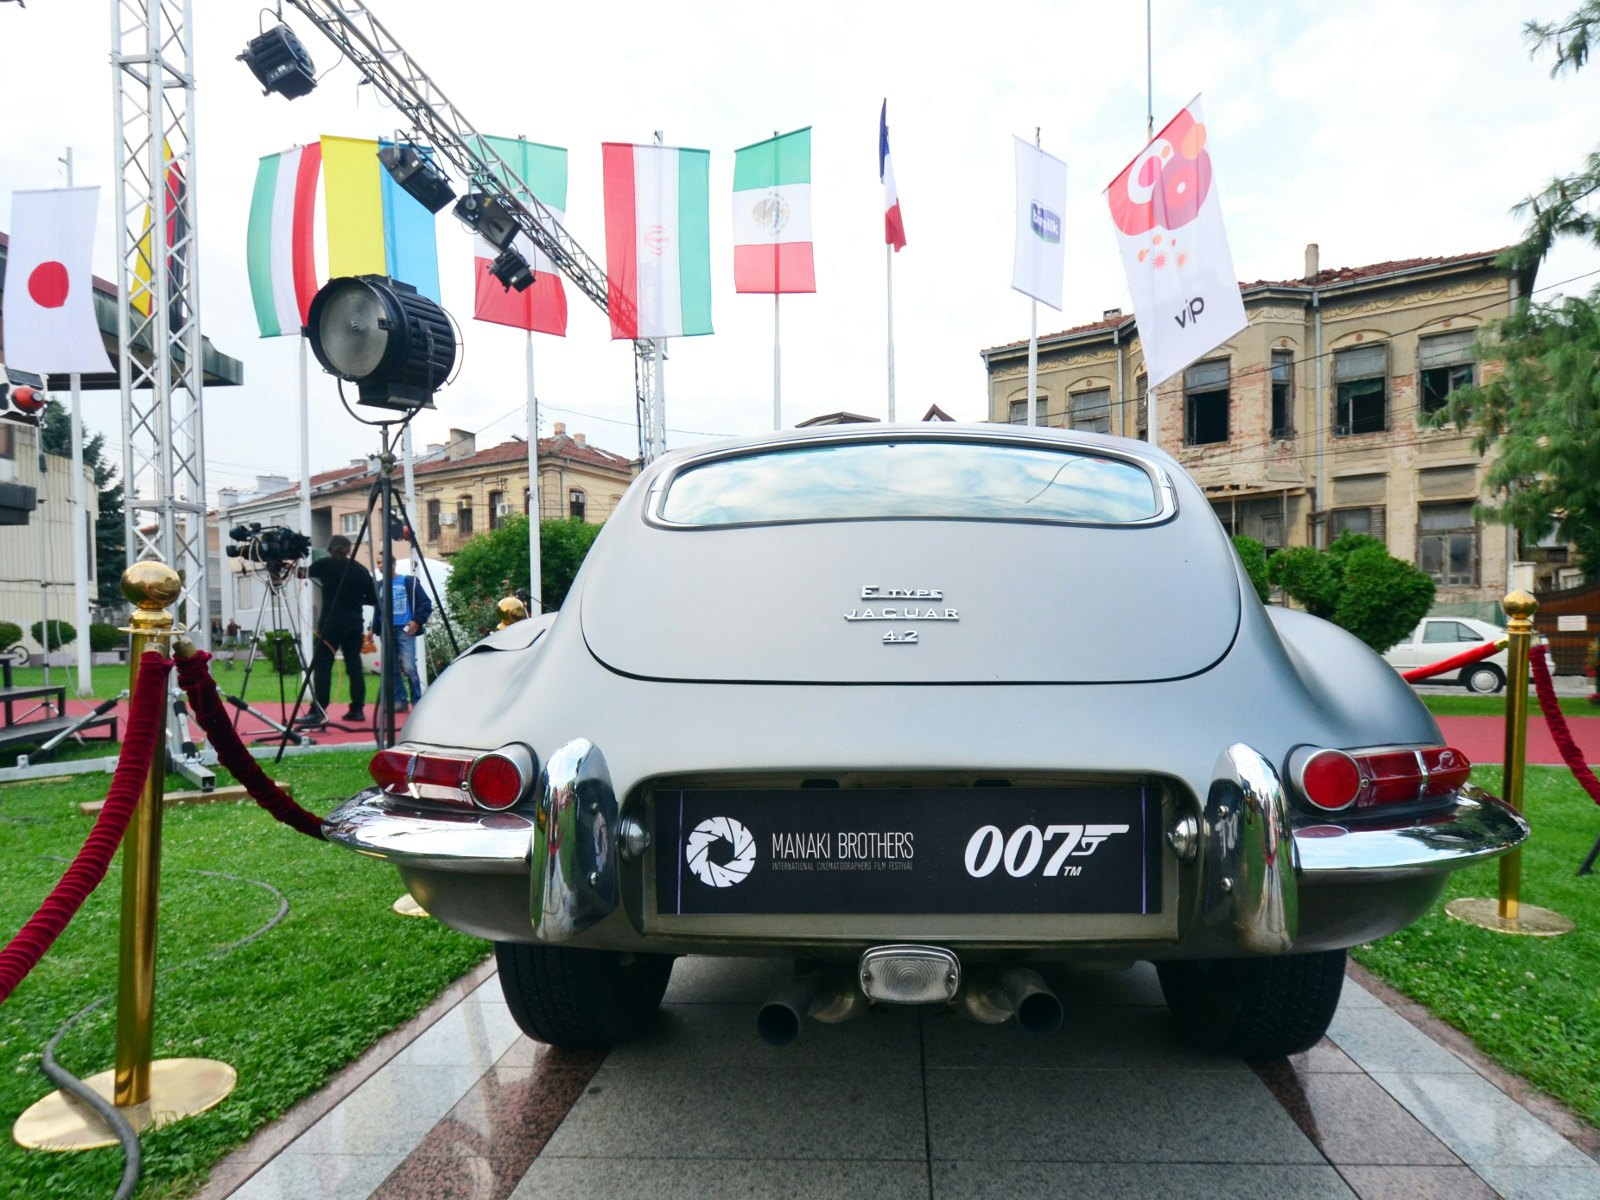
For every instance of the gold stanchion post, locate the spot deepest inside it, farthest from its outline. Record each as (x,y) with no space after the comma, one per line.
(149,1092)
(1507,913)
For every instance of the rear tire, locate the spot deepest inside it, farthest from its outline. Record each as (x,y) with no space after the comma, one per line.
(1483,678)
(1255,1007)
(581,999)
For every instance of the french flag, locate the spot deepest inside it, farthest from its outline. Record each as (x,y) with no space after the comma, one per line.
(894,229)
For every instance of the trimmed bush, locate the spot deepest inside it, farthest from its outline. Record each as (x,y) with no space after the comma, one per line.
(61,633)
(281,650)
(103,637)
(10,634)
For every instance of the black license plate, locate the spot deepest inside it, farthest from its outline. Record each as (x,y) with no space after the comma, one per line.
(903,851)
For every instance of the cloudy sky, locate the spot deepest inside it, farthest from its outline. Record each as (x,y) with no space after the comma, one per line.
(1380,129)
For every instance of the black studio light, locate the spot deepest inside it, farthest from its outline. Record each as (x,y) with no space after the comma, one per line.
(417,176)
(488,218)
(512,270)
(280,63)
(395,345)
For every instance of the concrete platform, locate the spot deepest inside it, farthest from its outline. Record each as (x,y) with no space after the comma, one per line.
(910,1103)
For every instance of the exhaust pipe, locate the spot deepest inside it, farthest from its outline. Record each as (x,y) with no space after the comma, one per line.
(1016,992)
(817,996)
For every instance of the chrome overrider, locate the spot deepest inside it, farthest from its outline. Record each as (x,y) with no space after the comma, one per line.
(574,848)
(1250,890)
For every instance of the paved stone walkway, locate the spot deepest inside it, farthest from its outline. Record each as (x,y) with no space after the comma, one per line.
(906,1103)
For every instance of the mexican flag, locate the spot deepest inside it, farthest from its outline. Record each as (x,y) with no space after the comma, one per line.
(658,240)
(543,307)
(280,251)
(772,215)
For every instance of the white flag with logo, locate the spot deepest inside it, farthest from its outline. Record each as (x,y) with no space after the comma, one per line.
(1174,248)
(50,326)
(1039,263)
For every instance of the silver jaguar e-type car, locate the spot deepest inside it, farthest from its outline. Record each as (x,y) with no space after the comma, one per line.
(928,710)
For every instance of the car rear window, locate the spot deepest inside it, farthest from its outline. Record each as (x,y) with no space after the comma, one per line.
(879,480)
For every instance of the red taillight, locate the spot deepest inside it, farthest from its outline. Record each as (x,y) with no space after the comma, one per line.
(1332,780)
(496,780)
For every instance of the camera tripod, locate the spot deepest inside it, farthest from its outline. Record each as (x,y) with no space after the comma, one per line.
(275,575)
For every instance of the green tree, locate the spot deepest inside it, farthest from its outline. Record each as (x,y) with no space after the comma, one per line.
(1541,414)
(494,564)
(1358,585)
(110,555)
(1254,557)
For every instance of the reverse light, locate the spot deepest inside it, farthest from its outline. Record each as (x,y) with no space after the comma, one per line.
(493,781)
(1335,780)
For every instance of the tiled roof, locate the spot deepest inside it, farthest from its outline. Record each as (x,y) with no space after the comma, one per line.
(516,450)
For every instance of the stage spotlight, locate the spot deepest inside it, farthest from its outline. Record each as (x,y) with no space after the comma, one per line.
(417,175)
(280,63)
(488,218)
(512,270)
(396,346)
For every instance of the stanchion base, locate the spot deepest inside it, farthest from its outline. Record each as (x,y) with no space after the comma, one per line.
(179,1088)
(407,906)
(1532,921)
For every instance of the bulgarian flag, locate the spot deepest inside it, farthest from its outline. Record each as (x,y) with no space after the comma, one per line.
(543,307)
(658,240)
(281,252)
(772,215)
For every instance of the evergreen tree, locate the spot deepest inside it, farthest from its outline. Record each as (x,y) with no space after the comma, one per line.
(110,555)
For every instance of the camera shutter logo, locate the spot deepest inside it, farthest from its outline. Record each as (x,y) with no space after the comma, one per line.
(705,836)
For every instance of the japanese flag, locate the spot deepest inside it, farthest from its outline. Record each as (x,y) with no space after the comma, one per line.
(48,313)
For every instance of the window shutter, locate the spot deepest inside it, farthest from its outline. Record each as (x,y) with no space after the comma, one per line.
(1380,524)
(1445,349)
(1363,362)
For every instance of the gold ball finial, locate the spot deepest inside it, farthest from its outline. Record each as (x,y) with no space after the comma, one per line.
(1520,604)
(151,586)
(511,611)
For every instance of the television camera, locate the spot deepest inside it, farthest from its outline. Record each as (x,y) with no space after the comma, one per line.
(274,545)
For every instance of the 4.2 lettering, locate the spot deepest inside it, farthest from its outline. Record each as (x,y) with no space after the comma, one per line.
(1024,848)
(896,638)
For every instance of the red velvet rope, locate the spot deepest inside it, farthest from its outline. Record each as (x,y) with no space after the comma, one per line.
(1465,658)
(1557,721)
(194,677)
(145,726)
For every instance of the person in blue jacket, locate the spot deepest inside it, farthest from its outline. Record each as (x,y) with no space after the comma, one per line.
(412,608)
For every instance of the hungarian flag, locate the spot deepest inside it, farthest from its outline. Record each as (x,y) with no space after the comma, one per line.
(1174,248)
(48,309)
(543,307)
(772,215)
(280,250)
(894,228)
(658,240)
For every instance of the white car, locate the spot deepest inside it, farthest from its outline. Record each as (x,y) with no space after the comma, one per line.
(1438,638)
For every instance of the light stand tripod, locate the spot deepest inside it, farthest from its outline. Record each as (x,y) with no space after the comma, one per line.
(275,576)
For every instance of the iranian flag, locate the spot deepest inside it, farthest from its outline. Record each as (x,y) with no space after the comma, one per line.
(543,307)
(772,215)
(658,240)
(280,251)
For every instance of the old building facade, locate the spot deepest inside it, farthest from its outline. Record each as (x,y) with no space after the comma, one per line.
(1313,420)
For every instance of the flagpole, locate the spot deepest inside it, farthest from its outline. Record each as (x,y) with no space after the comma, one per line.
(1149,82)
(535,567)
(408,477)
(777,373)
(1033,361)
(888,264)
(307,633)
(80,524)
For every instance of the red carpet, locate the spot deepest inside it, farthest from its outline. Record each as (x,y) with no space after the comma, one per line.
(1483,739)
(250,728)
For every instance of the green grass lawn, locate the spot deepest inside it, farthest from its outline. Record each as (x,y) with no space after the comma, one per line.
(287,1010)
(1531,1004)
(1466,705)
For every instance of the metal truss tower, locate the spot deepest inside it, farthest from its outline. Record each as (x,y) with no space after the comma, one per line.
(434,121)
(158,297)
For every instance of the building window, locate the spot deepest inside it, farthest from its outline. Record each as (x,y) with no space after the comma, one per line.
(1019,411)
(1141,394)
(1283,394)
(575,499)
(464,517)
(1361,386)
(350,524)
(1447,543)
(1369,521)
(527,502)
(8,440)
(433,520)
(1445,362)
(496,503)
(1205,403)
(1091,411)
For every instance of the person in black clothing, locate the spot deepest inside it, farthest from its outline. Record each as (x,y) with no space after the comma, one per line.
(346,587)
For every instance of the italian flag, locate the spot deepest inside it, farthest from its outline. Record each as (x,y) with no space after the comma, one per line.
(543,307)
(658,240)
(280,250)
(772,215)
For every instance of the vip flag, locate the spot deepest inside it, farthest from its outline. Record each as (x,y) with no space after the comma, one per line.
(280,249)
(1038,262)
(543,306)
(374,226)
(772,215)
(1174,248)
(894,227)
(48,310)
(658,240)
